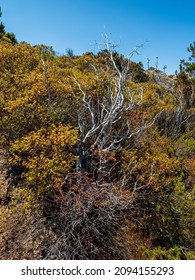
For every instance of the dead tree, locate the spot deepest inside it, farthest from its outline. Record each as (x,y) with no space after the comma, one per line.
(107,127)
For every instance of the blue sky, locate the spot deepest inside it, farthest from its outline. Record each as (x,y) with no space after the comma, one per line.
(167,27)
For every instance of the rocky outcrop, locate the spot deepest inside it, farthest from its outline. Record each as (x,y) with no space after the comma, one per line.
(162,79)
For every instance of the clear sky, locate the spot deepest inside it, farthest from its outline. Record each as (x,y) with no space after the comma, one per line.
(167,27)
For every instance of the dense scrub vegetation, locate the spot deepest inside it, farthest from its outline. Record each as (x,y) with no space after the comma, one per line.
(101,160)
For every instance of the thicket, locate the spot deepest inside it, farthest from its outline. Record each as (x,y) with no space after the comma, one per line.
(101,159)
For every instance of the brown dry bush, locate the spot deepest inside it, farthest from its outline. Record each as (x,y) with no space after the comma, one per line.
(86,219)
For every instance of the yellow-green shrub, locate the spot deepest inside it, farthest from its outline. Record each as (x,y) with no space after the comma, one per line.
(45,154)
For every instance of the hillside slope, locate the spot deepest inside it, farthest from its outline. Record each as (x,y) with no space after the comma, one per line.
(101,157)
